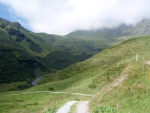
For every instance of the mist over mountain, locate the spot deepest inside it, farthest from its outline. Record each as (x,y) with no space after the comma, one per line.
(85,56)
(123,30)
(98,62)
(65,16)
(112,36)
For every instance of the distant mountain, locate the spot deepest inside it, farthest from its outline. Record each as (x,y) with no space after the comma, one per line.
(110,76)
(25,55)
(114,35)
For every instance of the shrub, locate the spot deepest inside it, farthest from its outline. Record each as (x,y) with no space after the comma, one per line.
(104,109)
(51,89)
(22,87)
(51,110)
(92,86)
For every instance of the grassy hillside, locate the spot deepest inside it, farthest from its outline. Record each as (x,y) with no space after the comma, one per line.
(130,96)
(17,59)
(35,54)
(101,70)
(90,77)
(17,65)
(25,55)
(44,102)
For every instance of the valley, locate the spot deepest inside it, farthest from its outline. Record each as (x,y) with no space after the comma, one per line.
(31,55)
(98,68)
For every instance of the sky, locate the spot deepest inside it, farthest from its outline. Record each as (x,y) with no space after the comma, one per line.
(64,16)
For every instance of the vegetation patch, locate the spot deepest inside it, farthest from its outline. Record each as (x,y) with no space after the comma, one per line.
(104,109)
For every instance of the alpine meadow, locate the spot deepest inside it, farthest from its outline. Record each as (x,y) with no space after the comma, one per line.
(96,70)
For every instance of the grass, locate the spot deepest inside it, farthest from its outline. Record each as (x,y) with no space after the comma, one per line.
(131,96)
(92,75)
(22,52)
(18,102)
(73,108)
(12,86)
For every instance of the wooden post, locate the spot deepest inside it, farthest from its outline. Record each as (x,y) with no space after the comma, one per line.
(149,75)
(143,63)
(136,57)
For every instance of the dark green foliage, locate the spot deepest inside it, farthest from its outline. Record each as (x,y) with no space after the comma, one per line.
(23,52)
(10,68)
(13,31)
(3,23)
(17,25)
(20,37)
(35,47)
(59,60)
(51,89)
(51,110)
(50,47)
(92,86)
(104,109)
(22,87)
(16,64)
(37,38)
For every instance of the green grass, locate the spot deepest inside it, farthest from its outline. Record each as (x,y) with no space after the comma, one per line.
(73,108)
(23,52)
(131,96)
(14,86)
(92,75)
(95,73)
(17,102)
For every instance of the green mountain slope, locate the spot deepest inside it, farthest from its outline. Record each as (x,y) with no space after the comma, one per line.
(27,54)
(100,72)
(59,59)
(16,64)
(98,76)
(16,54)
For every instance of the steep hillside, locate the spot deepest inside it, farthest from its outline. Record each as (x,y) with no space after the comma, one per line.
(16,64)
(100,75)
(118,82)
(79,48)
(25,55)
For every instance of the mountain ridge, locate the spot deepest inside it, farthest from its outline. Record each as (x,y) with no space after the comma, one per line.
(114,78)
(41,53)
(110,35)
(37,53)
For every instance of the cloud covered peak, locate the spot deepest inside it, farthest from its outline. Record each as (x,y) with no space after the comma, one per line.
(64,16)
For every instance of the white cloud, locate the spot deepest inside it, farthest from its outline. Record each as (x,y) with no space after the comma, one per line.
(64,16)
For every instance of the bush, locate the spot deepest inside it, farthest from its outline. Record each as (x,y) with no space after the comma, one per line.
(51,110)
(51,89)
(92,86)
(104,109)
(22,87)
